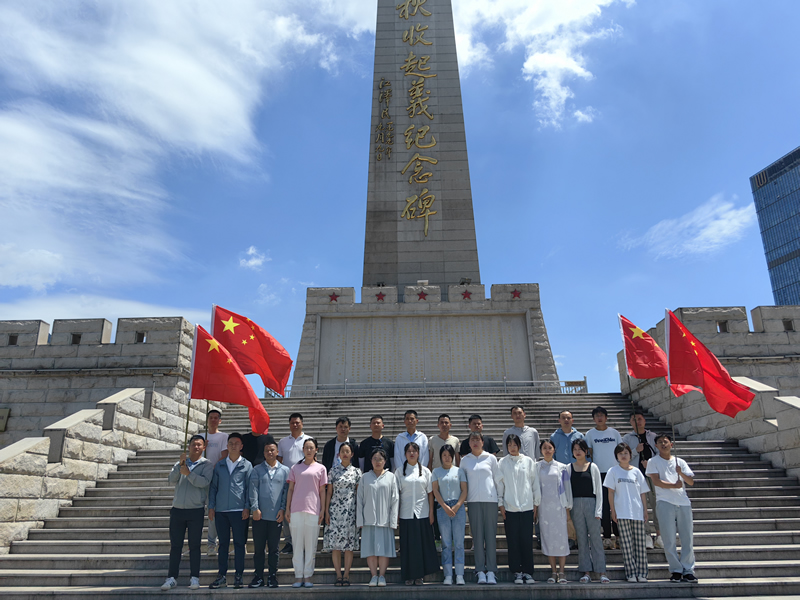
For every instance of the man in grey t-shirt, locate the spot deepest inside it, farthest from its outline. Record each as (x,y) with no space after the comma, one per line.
(527,435)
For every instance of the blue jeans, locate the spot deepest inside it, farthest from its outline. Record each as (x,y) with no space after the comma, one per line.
(452,530)
(670,517)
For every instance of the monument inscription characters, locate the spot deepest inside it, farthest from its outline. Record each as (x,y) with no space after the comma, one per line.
(420,223)
(423,316)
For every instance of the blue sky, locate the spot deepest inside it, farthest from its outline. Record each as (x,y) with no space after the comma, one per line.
(156,159)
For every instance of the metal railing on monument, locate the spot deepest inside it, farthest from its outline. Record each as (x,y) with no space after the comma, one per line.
(434,388)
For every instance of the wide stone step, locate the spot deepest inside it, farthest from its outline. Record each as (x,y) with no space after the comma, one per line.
(711,589)
(92,544)
(764,556)
(159,530)
(702,481)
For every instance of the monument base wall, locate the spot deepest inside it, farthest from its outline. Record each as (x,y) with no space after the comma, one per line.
(381,340)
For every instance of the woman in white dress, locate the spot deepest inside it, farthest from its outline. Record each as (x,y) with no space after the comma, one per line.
(552,512)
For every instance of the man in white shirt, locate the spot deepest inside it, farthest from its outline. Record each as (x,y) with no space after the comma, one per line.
(410,435)
(669,474)
(643,446)
(290,452)
(216,449)
(527,435)
(602,440)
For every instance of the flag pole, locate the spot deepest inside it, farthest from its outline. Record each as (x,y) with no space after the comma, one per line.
(189,403)
(667,327)
(213,313)
(627,374)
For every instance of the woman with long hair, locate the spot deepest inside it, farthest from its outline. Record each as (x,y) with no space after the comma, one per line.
(304,504)
(555,495)
(587,512)
(377,504)
(341,533)
(517,494)
(417,549)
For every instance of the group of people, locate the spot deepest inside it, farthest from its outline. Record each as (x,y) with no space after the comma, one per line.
(596,484)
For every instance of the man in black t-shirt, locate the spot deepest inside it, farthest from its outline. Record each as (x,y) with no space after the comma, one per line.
(253,447)
(489,445)
(376,440)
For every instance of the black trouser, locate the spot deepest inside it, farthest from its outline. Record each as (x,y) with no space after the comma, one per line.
(519,535)
(606,522)
(228,522)
(437,535)
(266,533)
(181,519)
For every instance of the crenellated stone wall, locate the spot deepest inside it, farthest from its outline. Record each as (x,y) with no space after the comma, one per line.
(42,380)
(767,359)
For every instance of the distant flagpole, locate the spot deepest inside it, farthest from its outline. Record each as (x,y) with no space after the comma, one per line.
(189,404)
(213,312)
(625,356)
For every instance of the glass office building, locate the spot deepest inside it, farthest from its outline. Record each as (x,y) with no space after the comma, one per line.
(776,191)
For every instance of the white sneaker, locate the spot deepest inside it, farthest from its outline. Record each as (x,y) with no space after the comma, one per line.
(659,543)
(460,580)
(641,579)
(169,584)
(648,543)
(194,583)
(490,578)
(381,581)
(528,579)
(518,578)
(632,579)
(373,582)
(448,580)
(211,550)
(481,577)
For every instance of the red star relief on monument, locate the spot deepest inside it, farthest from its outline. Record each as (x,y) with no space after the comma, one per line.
(516,294)
(422,295)
(380,296)
(466,295)
(334,297)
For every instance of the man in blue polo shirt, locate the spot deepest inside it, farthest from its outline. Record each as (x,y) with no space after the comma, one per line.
(564,436)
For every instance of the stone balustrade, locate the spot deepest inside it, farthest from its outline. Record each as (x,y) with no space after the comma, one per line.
(38,475)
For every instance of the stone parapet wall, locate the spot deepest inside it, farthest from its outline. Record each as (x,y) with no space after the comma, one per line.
(766,359)
(39,475)
(42,381)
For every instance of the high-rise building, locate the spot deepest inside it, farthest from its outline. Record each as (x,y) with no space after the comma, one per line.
(776,191)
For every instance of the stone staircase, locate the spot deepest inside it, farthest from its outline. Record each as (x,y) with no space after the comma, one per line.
(114,541)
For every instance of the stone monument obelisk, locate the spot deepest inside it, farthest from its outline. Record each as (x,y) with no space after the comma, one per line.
(424,321)
(420,223)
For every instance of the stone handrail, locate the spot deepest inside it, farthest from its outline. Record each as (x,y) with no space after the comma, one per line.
(40,475)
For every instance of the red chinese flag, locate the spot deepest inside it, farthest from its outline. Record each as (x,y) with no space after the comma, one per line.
(691,363)
(643,357)
(253,348)
(217,377)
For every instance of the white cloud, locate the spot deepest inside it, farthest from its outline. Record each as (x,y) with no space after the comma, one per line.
(587,115)
(129,85)
(254,260)
(558,362)
(87,306)
(553,36)
(268,295)
(705,230)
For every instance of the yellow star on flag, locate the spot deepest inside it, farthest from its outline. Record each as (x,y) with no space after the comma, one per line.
(230,361)
(230,325)
(637,332)
(244,342)
(213,345)
(252,337)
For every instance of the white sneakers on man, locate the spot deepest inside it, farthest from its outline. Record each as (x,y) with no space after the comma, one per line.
(448,580)
(490,578)
(659,543)
(648,543)
(194,583)
(460,580)
(481,578)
